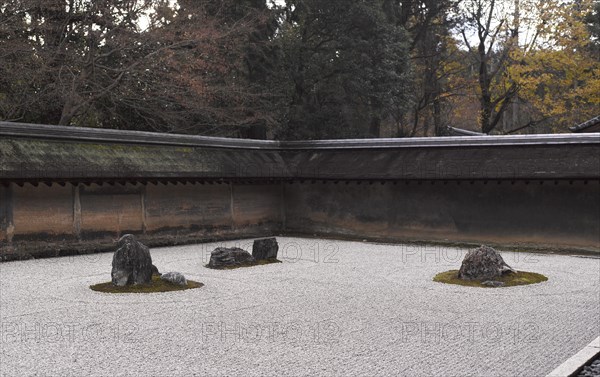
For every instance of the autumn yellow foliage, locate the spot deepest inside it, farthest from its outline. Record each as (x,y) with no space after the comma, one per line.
(560,76)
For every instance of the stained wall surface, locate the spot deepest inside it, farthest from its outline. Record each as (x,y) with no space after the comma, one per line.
(553,213)
(549,213)
(46,220)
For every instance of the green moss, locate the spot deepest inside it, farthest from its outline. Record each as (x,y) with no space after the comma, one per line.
(185,150)
(248,264)
(157,285)
(510,280)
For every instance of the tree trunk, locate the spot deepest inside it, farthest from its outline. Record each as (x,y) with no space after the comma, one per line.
(437,117)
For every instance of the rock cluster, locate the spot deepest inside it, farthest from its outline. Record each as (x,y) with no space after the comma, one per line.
(265,248)
(132,263)
(174,278)
(591,370)
(483,263)
(223,257)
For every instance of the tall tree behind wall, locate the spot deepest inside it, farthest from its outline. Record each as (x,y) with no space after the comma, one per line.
(254,62)
(535,68)
(94,63)
(560,77)
(343,68)
(432,48)
(57,55)
(592,19)
(491,34)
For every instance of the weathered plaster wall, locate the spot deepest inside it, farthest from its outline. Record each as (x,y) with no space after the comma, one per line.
(6,214)
(558,214)
(42,211)
(110,209)
(179,207)
(257,204)
(42,220)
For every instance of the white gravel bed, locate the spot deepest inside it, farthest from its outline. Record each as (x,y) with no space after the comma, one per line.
(350,309)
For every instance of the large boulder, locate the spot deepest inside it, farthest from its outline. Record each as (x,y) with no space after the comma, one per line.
(483,263)
(265,248)
(132,263)
(174,278)
(223,257)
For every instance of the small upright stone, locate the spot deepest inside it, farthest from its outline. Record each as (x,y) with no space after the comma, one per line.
(265,248)
(132,263)
(223,257)
(174,278)
(483,263)
(155,270)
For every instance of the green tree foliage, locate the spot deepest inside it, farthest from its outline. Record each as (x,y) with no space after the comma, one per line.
(343,68)
(428,23)
(302,69)
(592,19)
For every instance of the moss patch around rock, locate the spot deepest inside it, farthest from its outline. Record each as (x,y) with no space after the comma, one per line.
(509,280)
(157,285)
(247,264)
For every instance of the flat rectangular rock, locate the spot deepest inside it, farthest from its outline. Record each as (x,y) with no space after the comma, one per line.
(265,248)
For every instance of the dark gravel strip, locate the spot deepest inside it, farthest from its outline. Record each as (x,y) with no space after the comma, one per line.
(592,369)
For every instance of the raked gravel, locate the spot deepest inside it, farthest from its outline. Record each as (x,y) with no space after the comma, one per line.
(332,308)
